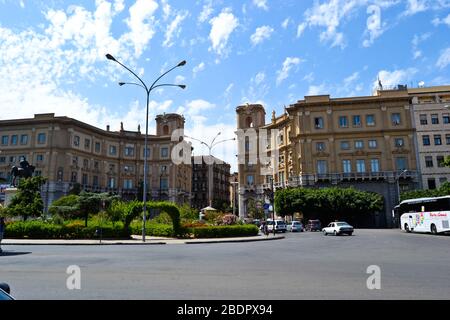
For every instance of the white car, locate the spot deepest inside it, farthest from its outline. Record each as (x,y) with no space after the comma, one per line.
(338,228)
(295,226)
(280,225)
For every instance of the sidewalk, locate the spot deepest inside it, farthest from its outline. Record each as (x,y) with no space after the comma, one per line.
(137,240)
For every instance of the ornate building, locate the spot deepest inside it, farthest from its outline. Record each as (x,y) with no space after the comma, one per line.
(69,152)
(369,143)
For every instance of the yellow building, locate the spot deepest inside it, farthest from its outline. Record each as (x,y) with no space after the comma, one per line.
(69,152)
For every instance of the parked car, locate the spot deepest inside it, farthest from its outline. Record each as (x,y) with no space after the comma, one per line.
(256,222)
(295,226)
(338,228)
(4,292)
(280,225)
(314,225)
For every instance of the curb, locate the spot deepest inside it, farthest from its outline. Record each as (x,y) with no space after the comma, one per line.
(175,241)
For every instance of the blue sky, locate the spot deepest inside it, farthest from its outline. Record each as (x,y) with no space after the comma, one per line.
(267,51)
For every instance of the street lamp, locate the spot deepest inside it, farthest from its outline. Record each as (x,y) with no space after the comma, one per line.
(398,189)
(147,90)
(210,173)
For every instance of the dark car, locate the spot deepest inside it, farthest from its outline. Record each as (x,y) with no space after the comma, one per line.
(4,292)
(314,225)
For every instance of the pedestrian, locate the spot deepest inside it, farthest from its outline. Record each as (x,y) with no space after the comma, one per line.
(2,231)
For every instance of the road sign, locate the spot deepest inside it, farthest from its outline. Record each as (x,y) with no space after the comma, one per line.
(270,208)
(266,206)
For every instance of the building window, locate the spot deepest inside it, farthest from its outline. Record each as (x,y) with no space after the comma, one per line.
(401,164)
(320,146)
(442,180)
(370,120)
(127,184)
(14,140)
(75,161)
(2,159)
(86,164)
(343,122)
(432,184)
(112,168)
(447,139)
(399,142)
(322,167)
(41,138)
(374,165)
(357,121)
(128,168)
(76,141)
(148,152)
(446,118)
(396,119)
(39,157)
(112,150)
(24,139)
(250,180)
(12,159)
(95,181)
(423,119)
(318,123)
(129,151)
(163,169)
(38,173)
(345,145)
(440,161)
(5,140)
(434,119)
(111,183)
(347,166)
(96,165)
(426,140)
(437,140)
(164,184)
(87,143)
(60,174)
(84,179)
(97,147)
(164,152)
(360,166)
(429,162)
(359,144)
(166,130)
(372,144)
(73,177)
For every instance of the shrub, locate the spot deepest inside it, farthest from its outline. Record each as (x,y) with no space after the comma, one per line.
(153,229)
(162,218)
(225,231)
(72,230)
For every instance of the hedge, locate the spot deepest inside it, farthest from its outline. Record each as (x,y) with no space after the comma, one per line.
(224,231)
(153,229)
(43,230)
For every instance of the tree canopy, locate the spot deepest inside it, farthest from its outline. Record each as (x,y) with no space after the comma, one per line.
(27,202)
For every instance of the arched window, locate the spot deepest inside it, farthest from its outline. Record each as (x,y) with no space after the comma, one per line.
(249,122)
(166,130)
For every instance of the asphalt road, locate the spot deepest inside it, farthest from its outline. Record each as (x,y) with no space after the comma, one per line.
(302,266)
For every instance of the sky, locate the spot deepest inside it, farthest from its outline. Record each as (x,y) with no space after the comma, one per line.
(52,57)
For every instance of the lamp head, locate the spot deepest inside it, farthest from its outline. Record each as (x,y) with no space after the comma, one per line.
(121,83)
(182,86)
(110,57)
(182,63)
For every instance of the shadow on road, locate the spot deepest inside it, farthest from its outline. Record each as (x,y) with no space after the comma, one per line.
(13,253)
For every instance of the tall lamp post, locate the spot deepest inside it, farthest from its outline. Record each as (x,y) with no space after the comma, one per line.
(398,188)
(147,89)
(210,146)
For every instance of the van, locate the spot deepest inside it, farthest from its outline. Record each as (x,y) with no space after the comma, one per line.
(280,225)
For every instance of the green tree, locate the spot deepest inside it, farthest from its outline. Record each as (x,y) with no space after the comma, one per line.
(124,211)
(66,207)
(92,203)
(27,202)
(253,211)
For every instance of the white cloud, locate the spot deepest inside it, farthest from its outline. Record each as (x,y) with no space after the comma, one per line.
(445,20)
(206,13)
(394,78)
(262,4)
(351,78)
(285,23)
(261,34)
(198,68)
(444,59)
(174,28)
(288,64)
(316,90)
(221,28)
(260,77)
(179,79)
(195,107)
(309,77)
(166,9)
(141,24)
(417,53)
(300,29)
(415,6)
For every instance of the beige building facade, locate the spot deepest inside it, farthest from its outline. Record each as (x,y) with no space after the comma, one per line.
(369,143)
(69,152)
(432,122)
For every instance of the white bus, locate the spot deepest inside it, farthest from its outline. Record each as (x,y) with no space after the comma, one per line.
(425,215)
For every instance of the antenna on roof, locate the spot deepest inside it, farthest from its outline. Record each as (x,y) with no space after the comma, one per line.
(379,83)
(421,84)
